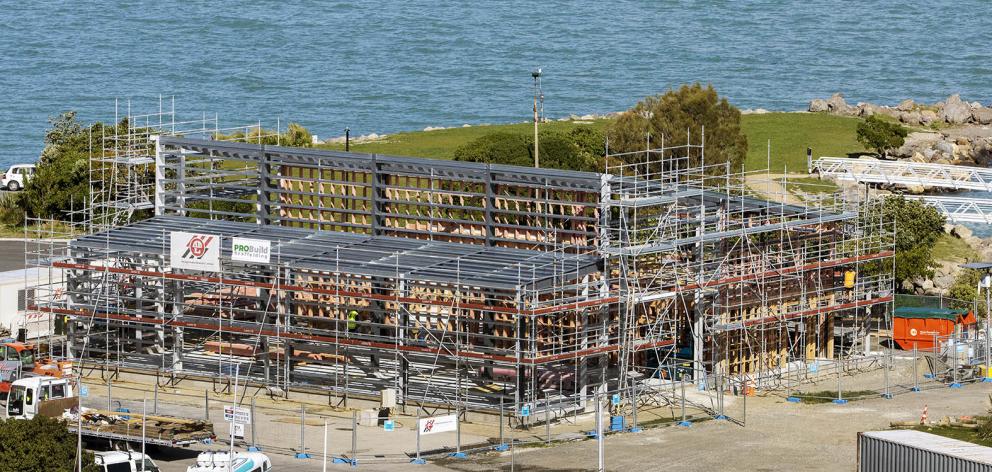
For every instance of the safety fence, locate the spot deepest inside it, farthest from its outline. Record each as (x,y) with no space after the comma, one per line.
(325,432)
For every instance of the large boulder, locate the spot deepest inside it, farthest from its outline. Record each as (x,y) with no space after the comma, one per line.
(911,118)
(982,116)
(837,104)
(817,105)
(956,111)
(927,117)
(906,105)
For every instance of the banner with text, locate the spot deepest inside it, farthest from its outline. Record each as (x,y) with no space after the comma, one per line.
(438,424)
(195,251)
(251,250)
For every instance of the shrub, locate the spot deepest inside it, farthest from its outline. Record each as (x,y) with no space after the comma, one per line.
(881,136)
(674,114)
(577,149)
(918,227)
(39,444)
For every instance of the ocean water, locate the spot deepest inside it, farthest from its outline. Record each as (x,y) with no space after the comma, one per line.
(388,66)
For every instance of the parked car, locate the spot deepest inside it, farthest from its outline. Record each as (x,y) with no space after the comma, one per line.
(15,177)
(124,461)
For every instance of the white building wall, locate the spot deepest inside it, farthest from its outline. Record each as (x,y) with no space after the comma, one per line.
(18,288)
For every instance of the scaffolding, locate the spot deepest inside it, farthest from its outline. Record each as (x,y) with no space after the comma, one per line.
(455,283)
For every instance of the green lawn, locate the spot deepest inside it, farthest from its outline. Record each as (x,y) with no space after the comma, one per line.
(790,134)
(950,248)
(441,144)
(957,432)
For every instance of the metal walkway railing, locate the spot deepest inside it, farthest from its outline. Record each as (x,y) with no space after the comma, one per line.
(959,209)
(904,173)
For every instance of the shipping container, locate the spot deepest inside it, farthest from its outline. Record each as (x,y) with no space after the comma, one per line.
(916,451)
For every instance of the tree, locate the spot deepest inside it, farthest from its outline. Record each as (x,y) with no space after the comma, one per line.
(39,445)
(682,114)
(577,149)
(964,291)
(880,136)
(61,181)
(917,228)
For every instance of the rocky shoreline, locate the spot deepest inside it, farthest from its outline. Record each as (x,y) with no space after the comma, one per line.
(951,131)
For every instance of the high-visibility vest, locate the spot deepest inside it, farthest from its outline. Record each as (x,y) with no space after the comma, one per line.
(352,320)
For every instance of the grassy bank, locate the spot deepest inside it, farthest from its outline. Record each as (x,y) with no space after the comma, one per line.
(790,135)
(441,144)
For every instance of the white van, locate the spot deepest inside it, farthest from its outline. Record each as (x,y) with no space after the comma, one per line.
(15,177)
(124,461)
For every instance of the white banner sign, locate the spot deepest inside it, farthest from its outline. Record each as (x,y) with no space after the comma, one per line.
(250,250)
(239,414)
(438,424)
(195,251)
(238,430)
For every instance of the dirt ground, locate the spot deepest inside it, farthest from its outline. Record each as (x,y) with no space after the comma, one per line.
(777,435)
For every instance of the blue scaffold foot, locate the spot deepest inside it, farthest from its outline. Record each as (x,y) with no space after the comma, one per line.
(418,461)
(457,455)
(987,380)
(635,429)
(928,376)
(592,434)
(685,424)
(501,447)
(914,389)
(254,449)
(340,460)
(720,417)
(302,455)
(840,401)
(887,396)
(794,400)
(955,385)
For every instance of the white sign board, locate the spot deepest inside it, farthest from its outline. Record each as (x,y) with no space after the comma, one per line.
(251,250)
(238,430)
(438,424)
(239,414)
(195,251)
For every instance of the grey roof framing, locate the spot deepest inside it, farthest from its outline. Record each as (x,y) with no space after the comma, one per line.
(526,176)
(351,253)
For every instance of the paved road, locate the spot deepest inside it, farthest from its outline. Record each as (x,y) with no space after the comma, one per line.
(11,255)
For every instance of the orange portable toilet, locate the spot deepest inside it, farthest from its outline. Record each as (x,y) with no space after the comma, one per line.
(919,325)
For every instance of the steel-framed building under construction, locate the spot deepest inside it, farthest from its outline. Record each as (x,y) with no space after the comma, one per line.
(467,283)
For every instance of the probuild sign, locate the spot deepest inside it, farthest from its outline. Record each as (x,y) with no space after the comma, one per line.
(195,251)
(251,250)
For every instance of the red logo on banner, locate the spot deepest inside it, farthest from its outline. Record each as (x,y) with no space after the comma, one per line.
(429,426)
(197,246)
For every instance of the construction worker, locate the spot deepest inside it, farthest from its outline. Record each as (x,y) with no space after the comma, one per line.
(352,321)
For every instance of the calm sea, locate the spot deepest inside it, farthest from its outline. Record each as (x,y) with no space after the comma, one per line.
(388,66)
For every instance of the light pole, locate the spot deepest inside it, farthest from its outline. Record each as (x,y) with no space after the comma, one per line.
(536,74)
(986,283)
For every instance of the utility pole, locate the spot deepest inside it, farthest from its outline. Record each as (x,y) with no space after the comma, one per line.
(536,74)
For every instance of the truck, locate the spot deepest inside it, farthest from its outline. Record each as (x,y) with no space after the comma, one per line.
(55,398)
(222,461)
(18,360)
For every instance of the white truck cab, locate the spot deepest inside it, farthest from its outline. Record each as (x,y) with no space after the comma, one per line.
(219,461)
(27,395)
(17,176)
(124,461)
